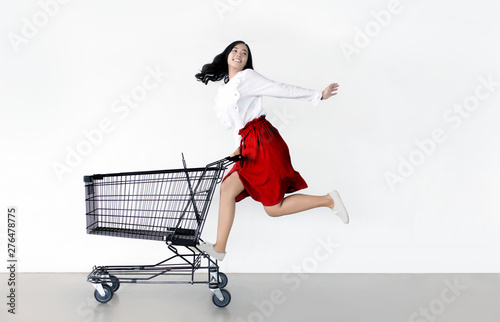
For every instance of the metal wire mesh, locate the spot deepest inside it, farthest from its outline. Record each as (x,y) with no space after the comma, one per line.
(168,205)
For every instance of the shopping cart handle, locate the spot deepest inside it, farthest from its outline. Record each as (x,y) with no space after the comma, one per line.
(235,158)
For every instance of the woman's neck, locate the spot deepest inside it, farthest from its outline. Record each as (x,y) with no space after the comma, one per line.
(232,72)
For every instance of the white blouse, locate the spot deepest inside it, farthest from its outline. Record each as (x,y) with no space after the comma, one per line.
(240,100)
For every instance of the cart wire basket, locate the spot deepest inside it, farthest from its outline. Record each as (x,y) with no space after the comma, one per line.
(162,205)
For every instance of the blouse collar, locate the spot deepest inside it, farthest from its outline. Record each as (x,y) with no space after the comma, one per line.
(238,76)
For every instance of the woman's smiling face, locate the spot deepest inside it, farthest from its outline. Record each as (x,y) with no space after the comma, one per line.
(238,57)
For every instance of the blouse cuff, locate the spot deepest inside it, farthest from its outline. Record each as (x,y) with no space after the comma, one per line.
(317,97)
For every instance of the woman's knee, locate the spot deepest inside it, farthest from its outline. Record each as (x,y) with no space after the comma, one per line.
(273,211)
(231,187)
(225,187)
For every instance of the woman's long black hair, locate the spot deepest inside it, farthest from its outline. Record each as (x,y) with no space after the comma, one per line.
(218,70)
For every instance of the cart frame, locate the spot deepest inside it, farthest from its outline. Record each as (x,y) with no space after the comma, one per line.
(162,205)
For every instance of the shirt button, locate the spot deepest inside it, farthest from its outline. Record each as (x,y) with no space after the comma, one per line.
(236,107)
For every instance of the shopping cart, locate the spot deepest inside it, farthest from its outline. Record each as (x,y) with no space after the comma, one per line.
(166,205)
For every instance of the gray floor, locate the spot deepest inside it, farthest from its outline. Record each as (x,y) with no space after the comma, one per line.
(266,297)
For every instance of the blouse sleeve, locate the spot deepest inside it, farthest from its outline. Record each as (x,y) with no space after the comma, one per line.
(258,85)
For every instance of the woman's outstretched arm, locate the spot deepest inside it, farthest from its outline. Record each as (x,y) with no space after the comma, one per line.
(258,85)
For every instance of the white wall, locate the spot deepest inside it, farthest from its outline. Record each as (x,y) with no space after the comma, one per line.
(406,81)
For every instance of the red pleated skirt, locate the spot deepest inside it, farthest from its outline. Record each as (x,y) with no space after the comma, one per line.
(266,170)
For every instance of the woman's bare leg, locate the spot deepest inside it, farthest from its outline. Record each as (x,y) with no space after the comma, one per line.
(297,203)
(230,188)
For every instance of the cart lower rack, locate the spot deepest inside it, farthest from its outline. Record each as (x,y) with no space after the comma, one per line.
(164,205)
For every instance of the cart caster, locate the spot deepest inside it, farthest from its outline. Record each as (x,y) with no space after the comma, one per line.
(108,294)
(222,280)
(115,283)
(225,301)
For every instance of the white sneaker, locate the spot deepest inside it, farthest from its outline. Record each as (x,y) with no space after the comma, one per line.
(209,249)
(339,209)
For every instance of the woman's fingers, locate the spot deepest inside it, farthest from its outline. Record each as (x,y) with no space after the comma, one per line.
(334,88)
(330,90)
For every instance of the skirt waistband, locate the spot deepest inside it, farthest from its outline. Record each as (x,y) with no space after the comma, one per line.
(252,125)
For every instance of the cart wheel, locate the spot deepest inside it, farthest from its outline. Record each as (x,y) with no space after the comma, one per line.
(115,283)
(108,294)
(225,301)
(222,280)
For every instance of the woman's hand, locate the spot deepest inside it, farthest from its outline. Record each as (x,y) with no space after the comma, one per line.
(329,91)
(237,152)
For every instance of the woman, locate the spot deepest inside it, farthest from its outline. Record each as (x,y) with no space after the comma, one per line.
(265,173)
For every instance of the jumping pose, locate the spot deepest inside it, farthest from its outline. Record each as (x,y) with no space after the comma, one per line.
(265,172)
